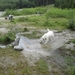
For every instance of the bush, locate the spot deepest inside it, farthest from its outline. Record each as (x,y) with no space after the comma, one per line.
(26,11)
(22,19)
(7,38)
(70,70)
(13,12)
(59,13)
(71,25)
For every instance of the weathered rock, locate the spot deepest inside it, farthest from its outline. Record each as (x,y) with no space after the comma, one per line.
(2,46)
(18,48)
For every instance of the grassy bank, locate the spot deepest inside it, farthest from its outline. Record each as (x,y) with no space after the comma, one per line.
(53,18)
(26,11)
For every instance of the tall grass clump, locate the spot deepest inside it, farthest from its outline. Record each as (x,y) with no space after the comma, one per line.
(26,11)
(71,24)
(70,71)
(7,38)
(22,19)
(13,12)
(41,10)
(42,68)
(61,13)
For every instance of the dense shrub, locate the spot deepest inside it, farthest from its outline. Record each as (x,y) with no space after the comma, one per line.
(71,70)
(13,12)
(71,25)
(65,3)
(22,19)
(7,38)
(26,11)
(59,13)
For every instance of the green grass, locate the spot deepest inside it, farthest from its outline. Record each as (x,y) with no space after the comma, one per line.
(70,70)
(71,24)
(52,23)
(42,68)
(7,38)
(26,11)
(13,62)
(51,17)
(61,13)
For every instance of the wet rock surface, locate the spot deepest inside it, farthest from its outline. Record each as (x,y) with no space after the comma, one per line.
(2,46)
(33,50)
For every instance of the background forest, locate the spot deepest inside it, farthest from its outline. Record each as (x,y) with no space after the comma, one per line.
(16,4)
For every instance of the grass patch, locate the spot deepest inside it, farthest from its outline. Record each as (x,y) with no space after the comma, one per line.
(33,35)
(42,68)
(22,19)
(54,18)
(71,70)
(52,23)
(16,63)
(71,24)
(13,62)
(61,13)
(26,11)
(7,38)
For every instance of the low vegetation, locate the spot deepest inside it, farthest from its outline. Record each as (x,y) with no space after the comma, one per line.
(69,55)
(71,25)
(13,62)
(61,13)
(26,11)
(7,38)
(33,35)
(54,18)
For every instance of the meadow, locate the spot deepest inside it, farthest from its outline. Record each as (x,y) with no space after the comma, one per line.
(48,16)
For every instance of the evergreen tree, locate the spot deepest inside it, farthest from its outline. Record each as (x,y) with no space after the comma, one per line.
(65,3)
(14,4)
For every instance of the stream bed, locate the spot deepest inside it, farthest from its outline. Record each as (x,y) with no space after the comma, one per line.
(33,50)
